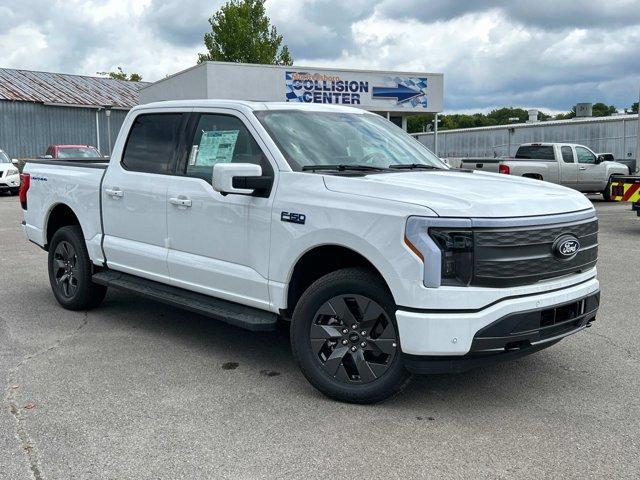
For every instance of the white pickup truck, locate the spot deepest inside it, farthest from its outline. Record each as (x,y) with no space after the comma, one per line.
(385,261)
(568,164)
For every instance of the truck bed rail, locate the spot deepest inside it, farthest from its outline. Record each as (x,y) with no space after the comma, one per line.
(100,163)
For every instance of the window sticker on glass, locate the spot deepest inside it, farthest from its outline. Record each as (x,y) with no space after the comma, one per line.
(216,147)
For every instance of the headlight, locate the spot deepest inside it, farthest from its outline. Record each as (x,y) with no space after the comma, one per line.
(13,172)
(457,255)
(445,245)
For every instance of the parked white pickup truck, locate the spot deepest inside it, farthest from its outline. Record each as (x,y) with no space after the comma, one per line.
(568,164)
(385,261)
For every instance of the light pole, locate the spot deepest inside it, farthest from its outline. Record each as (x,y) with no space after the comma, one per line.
(107,112)
(436,120)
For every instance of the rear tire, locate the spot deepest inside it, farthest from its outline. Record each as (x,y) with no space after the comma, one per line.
(345,339)
(70,271)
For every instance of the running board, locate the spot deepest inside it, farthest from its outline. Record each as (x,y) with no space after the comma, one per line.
(235,314)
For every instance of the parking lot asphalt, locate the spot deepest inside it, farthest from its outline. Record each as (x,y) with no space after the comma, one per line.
(137,390)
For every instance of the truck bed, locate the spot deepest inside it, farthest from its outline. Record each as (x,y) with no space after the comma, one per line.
(75,183)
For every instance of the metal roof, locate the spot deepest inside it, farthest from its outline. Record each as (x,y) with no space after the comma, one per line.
(63,89)
(541,123)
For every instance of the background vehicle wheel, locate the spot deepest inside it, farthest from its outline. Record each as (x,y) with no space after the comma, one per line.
(70,271)
(344,337)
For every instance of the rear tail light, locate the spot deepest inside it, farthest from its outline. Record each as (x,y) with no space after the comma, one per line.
(25,182)
(504,169)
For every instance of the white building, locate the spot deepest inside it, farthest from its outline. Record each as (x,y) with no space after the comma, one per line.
(392,94)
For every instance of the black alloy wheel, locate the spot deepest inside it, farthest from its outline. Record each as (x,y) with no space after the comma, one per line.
(70,270)
(345,338)
(65,261)
(353,338)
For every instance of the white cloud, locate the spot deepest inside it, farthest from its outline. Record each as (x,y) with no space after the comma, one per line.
(548,53)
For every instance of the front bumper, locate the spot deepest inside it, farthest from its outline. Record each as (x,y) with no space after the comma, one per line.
(505,325)
(10,183)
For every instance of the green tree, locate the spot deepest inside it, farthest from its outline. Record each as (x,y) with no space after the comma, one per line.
(419,123)
(499,116)
(120,75)
(566,116)
(634,108)
(241,32)
(602,110)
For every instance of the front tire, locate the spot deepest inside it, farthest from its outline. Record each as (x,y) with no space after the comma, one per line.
(70,271)
(345,339)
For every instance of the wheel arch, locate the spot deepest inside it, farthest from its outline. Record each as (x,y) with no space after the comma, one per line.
(319,261)
(60,215)
(535,176)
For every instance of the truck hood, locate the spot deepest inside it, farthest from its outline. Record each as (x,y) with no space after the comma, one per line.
(455,193)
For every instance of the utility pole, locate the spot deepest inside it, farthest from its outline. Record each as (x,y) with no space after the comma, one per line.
(435,135)
(107,112)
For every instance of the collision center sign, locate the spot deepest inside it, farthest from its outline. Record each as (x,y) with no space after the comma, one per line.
(370,90)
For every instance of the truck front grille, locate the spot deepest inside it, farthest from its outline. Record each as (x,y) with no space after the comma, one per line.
(523,255)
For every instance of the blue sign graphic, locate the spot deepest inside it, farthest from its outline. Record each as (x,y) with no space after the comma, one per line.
(400,93)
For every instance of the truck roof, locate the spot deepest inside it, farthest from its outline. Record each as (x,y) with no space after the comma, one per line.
(57,145)
(248,105)
(550,144)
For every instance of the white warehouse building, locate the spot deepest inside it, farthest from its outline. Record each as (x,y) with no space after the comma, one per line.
(616,134)
(395,95)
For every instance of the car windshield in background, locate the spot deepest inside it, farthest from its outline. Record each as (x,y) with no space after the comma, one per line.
(308,139)
(4,158)
(539,152)
(78,152)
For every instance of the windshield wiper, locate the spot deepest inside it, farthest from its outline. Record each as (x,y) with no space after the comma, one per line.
(343,168)
(413,166)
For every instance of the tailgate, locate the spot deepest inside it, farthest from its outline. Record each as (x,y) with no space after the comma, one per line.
(484,164)
(625,189)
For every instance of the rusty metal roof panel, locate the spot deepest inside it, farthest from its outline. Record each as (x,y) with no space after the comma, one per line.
(63,89)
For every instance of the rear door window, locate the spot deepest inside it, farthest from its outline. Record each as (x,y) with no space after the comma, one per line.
(538,152)
(152,143)
(567,155)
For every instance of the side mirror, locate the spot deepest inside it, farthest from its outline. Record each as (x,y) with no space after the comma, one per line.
(241,179)
(15,161)
(600,159)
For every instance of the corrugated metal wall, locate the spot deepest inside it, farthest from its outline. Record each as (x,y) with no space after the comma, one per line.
(614,134)
(26,129)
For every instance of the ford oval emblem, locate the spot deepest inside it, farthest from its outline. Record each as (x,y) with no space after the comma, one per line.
(566,247)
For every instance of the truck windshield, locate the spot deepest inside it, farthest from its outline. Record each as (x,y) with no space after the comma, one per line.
(308,138)
(78,152)
(4,158)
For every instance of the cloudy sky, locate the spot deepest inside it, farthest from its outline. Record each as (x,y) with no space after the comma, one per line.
(544,53)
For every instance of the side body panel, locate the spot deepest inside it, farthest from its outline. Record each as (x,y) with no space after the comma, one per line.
(134,210)
(548,170)
(568,169)
(371,227)
(76,187)
(219,245)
